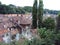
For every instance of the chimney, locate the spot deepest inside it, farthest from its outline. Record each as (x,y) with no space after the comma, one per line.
(21,16)
(17,15)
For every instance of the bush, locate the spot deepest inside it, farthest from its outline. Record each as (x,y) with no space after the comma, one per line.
(58,23)
(49,23)
(47,36)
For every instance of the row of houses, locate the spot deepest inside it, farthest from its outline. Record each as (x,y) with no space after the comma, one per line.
(12,26)
(16,26)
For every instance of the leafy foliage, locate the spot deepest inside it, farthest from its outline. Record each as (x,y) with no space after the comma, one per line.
(12,9)
(34,15)
(58,23)
(28,9)
(47,36)
(40,14)
(49,23)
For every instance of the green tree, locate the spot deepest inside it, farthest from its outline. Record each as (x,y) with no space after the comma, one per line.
(0,3)
(49,23)
(58,30)
(34,41)
(58,23)
(47,37)
(40,13)
(34,15)
(28,9)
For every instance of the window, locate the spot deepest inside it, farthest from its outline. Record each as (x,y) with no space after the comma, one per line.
(7,34)
(13,37)
(2,35)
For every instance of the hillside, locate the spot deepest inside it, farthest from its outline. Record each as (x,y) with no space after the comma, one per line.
(12,9)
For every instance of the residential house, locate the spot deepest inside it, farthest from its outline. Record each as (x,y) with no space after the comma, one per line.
(14,26)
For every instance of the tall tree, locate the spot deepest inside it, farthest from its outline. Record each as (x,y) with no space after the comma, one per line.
(49,23)
(34,15)
(40,13)
(0,3)
(58,30)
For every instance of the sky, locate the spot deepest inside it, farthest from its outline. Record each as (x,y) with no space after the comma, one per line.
(48,4)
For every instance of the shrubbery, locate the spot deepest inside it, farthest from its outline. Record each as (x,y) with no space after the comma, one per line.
(49,23)
(47,36)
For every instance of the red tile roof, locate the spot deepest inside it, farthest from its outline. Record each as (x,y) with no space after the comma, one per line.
(2,32)
(25,19)
(1,39)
